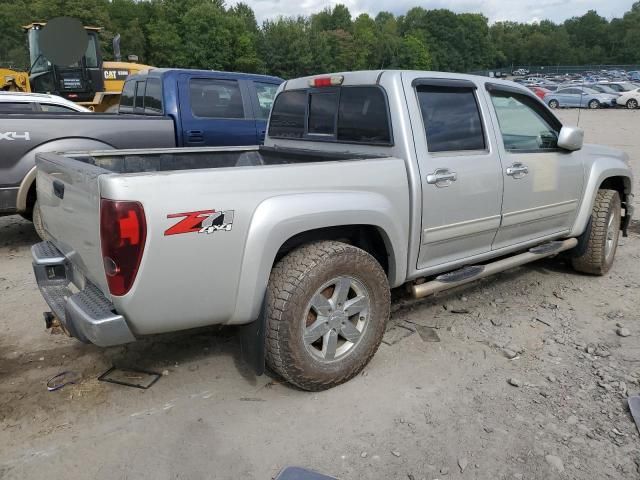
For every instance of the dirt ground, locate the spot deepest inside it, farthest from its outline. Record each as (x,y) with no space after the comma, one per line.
(422,409)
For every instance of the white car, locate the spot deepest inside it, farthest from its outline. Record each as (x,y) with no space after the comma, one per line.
(16,102)
(630,99)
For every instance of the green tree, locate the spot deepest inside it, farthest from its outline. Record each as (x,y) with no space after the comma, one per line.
(285,47)
(413,54)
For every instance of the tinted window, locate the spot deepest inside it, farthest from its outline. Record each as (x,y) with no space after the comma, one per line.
(287,117)
(126,98)
(47,107)
(153,97)
(216,98)
(265,92)
(524,123)
(322,113)
(363,116)
(139,101)
(451,119)
(15,107)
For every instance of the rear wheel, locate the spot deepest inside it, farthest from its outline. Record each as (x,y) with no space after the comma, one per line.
(602,240)
(632,103)
(327,306)
(553,104)
(594,104)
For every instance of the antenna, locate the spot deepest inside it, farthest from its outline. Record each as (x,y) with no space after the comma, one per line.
(580,106)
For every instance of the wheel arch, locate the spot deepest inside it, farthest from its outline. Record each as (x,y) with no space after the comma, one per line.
(607,174)
(280,224)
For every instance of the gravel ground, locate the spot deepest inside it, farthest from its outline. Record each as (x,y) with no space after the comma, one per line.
(521,376)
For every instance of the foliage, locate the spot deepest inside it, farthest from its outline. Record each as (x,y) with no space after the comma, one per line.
(211,35)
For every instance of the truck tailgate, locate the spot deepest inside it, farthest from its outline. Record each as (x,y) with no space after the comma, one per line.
(69,198)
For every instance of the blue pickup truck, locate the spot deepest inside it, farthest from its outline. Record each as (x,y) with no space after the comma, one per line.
(161,108)
(208,108)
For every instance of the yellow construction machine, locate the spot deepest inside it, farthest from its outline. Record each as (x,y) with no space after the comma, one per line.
(90,81)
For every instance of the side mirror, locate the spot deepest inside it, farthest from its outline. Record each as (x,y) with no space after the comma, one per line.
(571,138)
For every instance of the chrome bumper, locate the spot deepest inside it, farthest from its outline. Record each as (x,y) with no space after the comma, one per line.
(87,315)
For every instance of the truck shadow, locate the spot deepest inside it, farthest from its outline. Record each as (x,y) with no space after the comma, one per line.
(189,350)
(17,232)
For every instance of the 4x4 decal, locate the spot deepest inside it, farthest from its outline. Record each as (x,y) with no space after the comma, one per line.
(12,136)
(203,221)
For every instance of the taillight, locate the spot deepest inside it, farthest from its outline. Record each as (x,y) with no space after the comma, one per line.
(123,231)
(332,81)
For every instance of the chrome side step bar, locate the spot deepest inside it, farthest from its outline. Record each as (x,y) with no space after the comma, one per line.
(471,273)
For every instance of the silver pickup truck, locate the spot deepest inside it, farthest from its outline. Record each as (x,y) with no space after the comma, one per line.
(367,181)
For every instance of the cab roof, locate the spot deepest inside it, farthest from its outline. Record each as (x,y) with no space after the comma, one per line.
(164,72)
(42,24)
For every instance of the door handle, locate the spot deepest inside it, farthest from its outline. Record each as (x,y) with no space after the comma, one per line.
(58,189)
(442,177)
(195,136)
(517,170)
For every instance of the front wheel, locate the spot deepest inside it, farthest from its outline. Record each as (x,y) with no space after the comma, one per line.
(594,104)
(553,104)
(632,103)
(327,307)
(602,236)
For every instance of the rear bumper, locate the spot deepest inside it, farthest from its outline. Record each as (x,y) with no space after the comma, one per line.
(87,315)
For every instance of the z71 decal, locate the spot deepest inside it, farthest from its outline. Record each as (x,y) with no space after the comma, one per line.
(203,221)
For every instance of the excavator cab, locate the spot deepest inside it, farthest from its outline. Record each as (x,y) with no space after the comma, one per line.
(77,82)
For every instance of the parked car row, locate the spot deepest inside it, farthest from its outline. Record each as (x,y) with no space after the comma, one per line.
(585,94)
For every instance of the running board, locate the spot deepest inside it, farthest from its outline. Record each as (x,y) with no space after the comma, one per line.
(471,273)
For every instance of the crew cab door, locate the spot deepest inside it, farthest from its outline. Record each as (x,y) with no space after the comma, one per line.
(542,183)
(215,111)
(262,96)
(459,168)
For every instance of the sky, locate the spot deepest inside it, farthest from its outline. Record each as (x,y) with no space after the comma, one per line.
(495,10)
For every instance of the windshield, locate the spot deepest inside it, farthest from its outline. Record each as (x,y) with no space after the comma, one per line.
(37,61)
(91,55)
(605,89)
(40,64)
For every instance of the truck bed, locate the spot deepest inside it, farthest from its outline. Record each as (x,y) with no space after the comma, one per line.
(176,159)
(266,195)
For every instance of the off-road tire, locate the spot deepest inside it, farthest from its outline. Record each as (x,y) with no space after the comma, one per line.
(594,260)
(594,104)
(632,103)
(37,221)
(554,104)
(293,281)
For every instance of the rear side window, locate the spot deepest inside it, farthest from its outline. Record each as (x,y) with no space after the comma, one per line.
(451,118)
(153,97)
(287,116)
(16,107)
(126,98)
(47,107)
(345,114)
(212,98)
(139,101)
(266,93)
